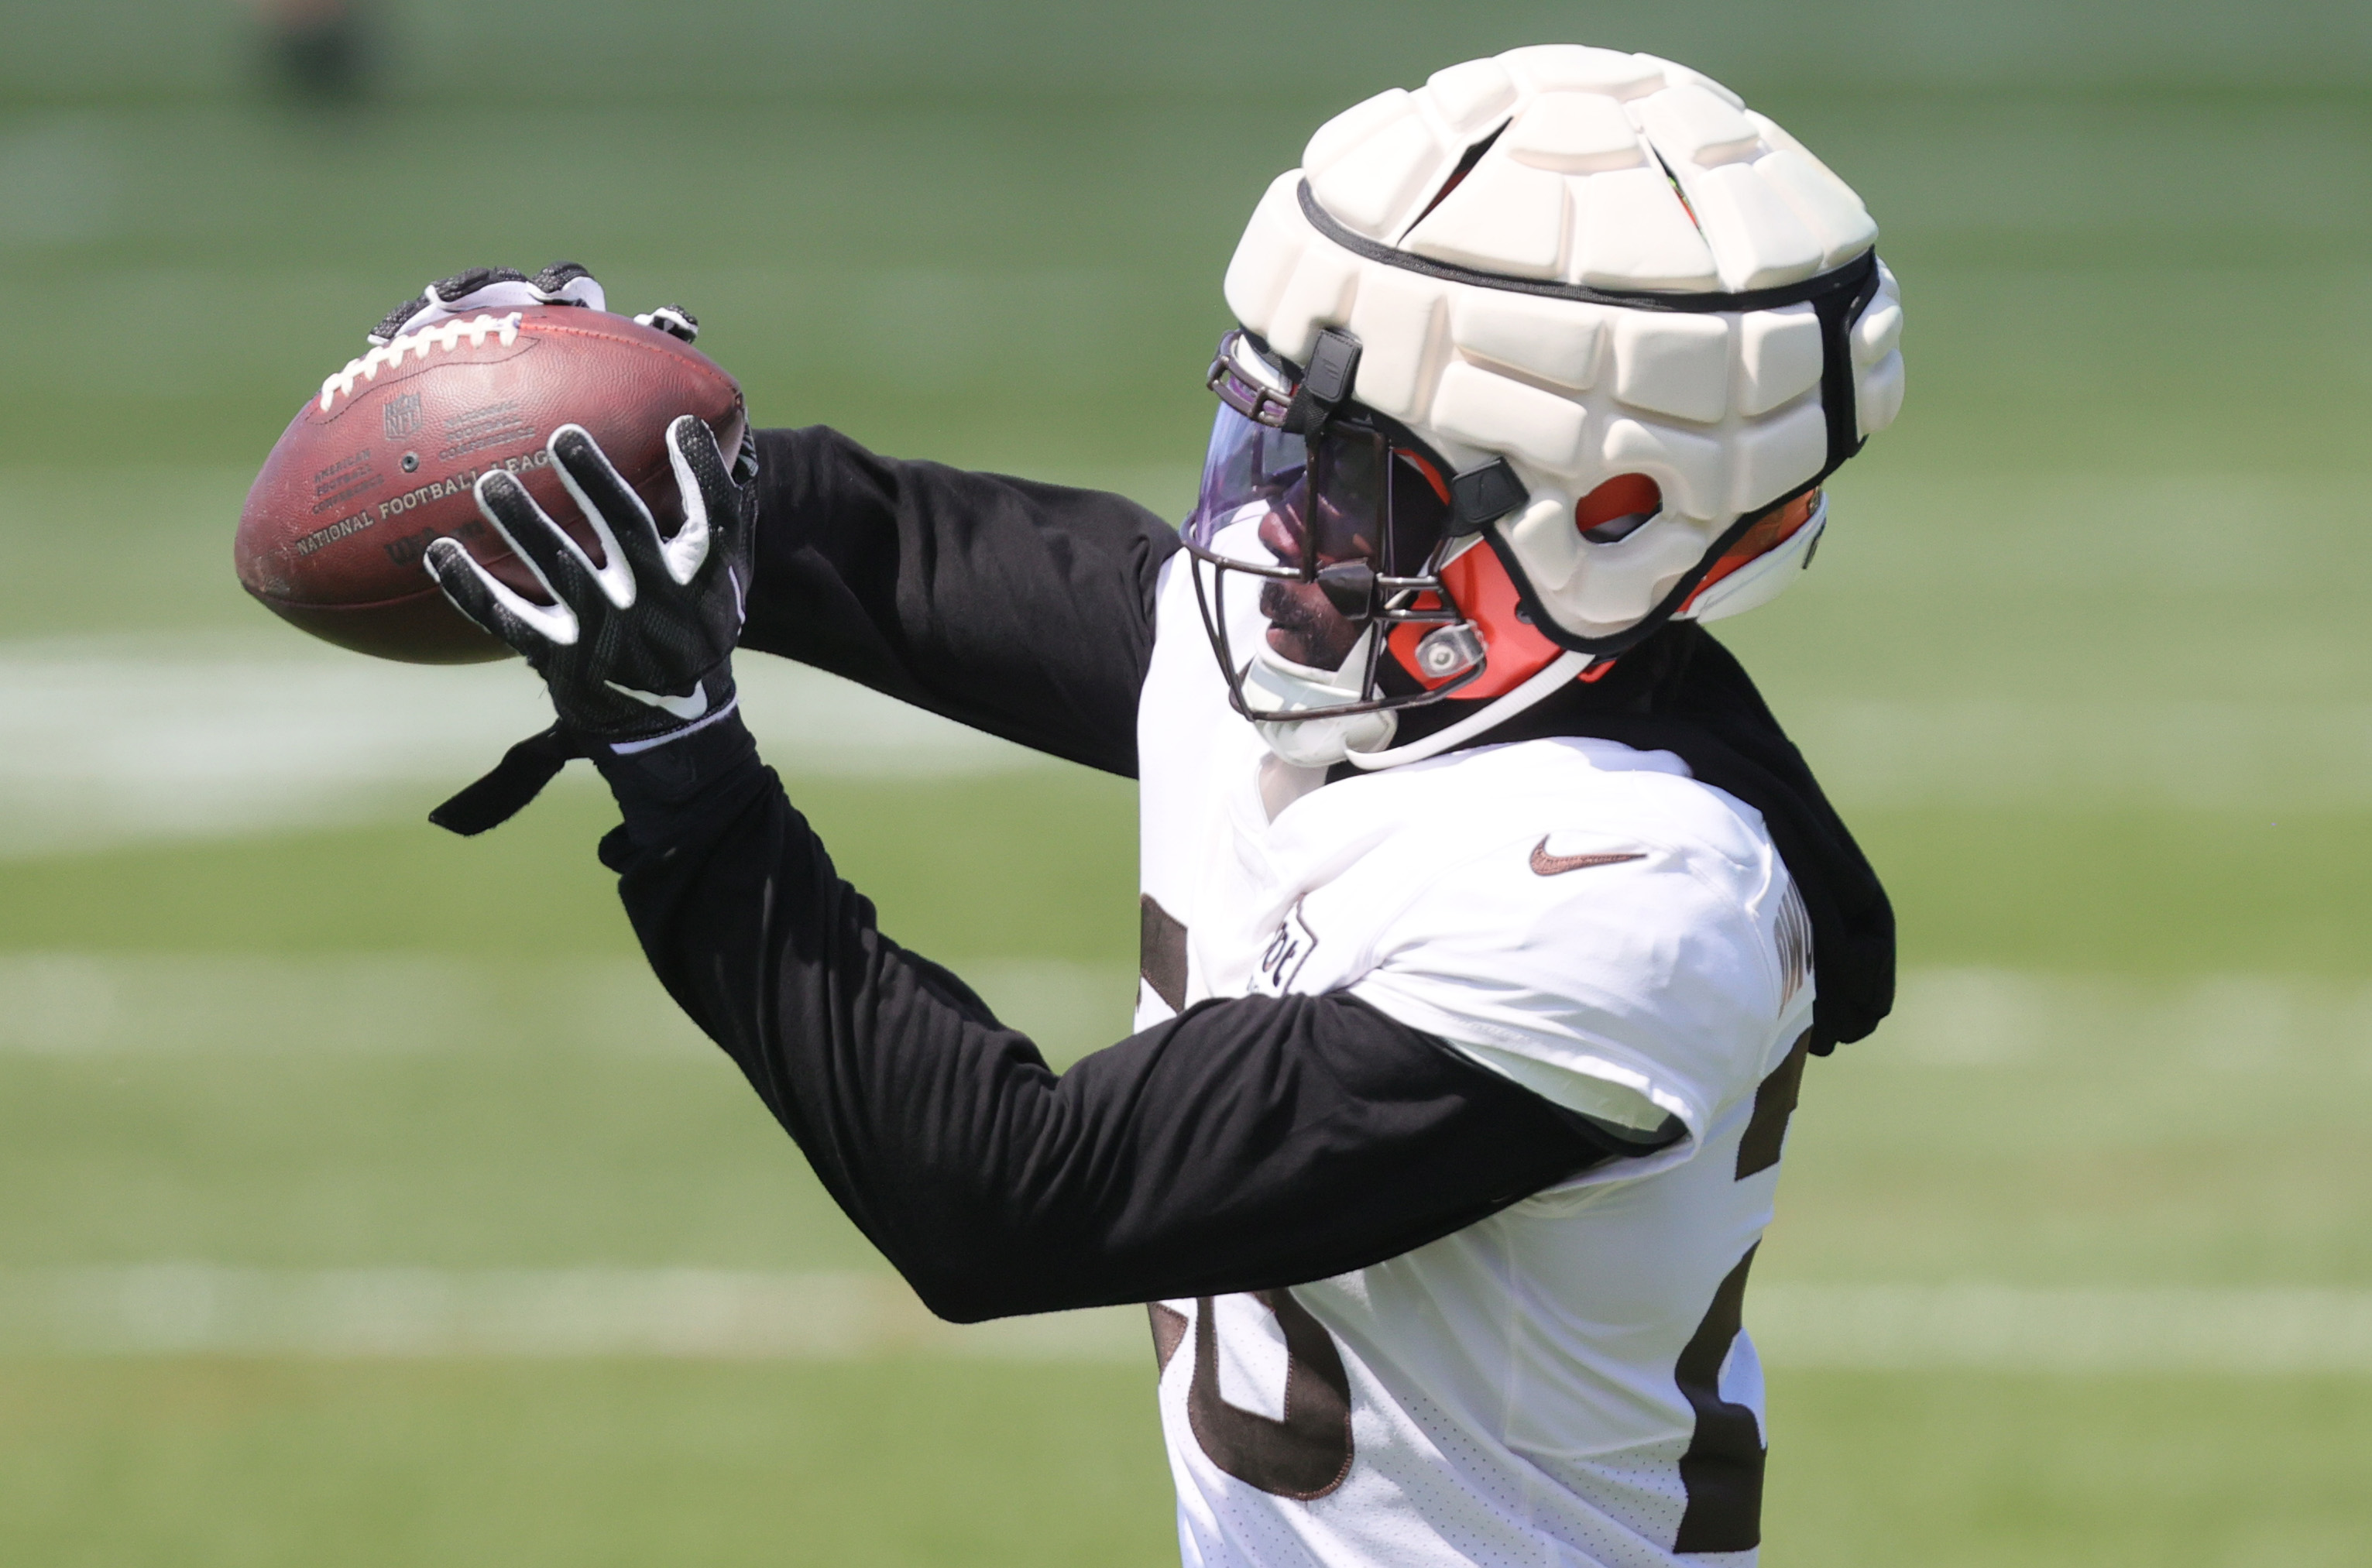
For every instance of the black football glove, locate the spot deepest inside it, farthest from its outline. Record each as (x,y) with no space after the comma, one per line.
(505,288)
(635,652)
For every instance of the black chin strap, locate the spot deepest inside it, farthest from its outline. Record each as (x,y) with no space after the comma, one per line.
(1837,310)
(518,778)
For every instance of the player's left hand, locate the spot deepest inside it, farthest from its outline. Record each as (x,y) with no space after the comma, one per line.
(639,650)
(477,289)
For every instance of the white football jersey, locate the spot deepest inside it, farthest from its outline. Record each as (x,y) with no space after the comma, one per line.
(1566,1382)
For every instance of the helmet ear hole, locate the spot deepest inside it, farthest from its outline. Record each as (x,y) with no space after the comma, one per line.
(1618,508)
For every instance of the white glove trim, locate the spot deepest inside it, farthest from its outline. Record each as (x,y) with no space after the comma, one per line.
(617,578)
(628,747)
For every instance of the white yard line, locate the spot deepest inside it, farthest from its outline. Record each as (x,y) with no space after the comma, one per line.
(2268,1330)
(105,741)
(112,741)
(2222,1024)
(114,1004)
(183,1310)
(712,1314)
(75,1004)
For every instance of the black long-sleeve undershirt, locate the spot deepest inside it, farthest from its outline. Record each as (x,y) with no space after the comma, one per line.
(1020,608)
(1248,1144)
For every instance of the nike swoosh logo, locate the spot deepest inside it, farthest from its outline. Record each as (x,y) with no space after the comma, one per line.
(1547,865)
(692,707)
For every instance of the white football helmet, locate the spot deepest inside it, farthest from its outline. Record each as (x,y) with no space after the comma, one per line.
(1534,360)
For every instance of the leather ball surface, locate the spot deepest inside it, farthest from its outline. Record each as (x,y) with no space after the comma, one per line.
(385,458)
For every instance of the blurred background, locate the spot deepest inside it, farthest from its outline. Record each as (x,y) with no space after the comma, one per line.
(365,1202)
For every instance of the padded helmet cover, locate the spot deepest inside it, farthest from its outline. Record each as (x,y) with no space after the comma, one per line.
(1561,165)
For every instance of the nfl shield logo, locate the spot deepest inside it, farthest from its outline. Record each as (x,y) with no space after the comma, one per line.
(402,415)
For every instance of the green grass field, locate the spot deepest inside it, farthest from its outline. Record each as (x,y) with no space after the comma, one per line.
(2082,659)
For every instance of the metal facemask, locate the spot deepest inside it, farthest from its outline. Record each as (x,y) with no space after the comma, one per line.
(1345,520)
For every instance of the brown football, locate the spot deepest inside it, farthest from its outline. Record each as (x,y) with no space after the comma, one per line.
(384,458)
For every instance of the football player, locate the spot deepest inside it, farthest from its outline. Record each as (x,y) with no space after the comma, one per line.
(1488,916)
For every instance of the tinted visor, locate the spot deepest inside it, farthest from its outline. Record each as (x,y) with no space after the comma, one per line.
(1351,492)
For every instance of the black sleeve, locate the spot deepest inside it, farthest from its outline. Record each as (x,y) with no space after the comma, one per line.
(1247,1145)
(1021,608)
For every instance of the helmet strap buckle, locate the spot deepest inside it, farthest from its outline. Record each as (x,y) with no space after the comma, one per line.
(1483,494)
(1349,588)
(1326,385)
